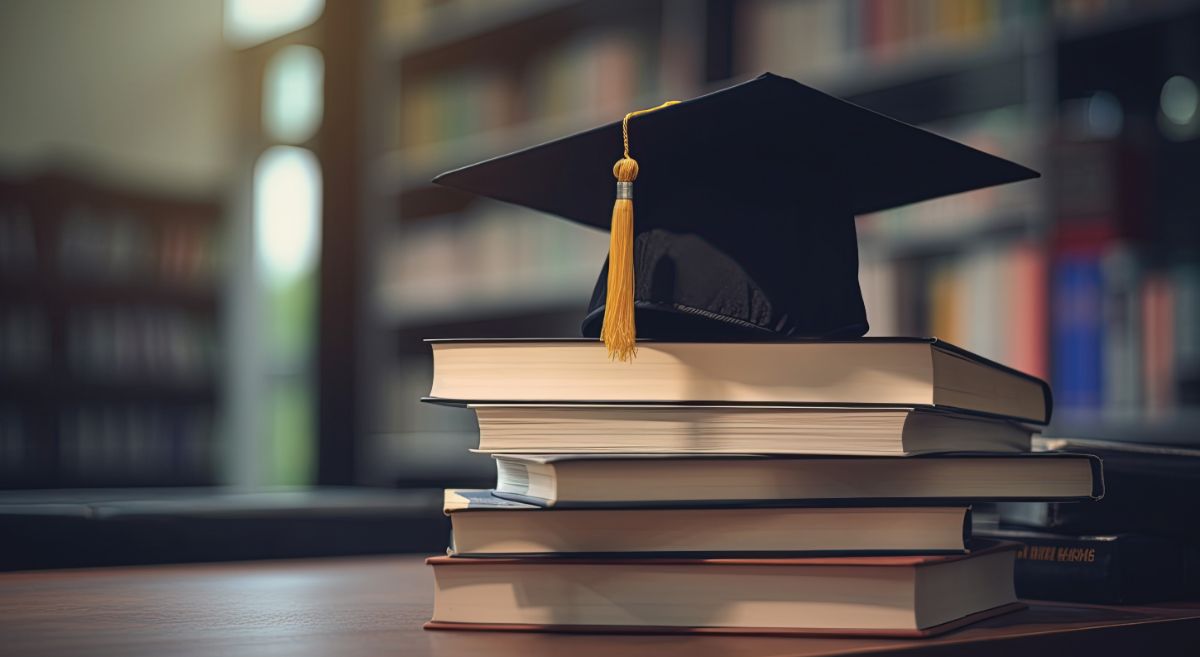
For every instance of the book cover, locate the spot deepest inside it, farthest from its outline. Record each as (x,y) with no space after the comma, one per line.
(1102,569)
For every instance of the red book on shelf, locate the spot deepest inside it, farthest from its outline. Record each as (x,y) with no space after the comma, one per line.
(1158,342)
(1027,316)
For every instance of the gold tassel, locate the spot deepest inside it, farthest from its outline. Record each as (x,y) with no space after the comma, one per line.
(619,331)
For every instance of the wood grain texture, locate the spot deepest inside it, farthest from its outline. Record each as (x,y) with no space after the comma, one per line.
(376,606)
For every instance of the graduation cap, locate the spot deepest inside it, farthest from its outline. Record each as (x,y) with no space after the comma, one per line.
(745,202)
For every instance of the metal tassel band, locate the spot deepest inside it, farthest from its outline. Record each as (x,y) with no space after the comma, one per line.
(624,190)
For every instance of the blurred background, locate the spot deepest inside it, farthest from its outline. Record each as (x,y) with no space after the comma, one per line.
(220,251)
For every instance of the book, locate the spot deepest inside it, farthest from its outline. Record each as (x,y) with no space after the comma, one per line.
(1026,311)
(889,596)
(1077,334)
(642,428)
(1150,489)
(1158,343)
(484,524)
(1123,389)
(1102,569)
(1185,277)
(623,480)
(907,372)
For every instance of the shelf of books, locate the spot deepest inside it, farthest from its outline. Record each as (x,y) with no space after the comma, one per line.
(108,331)
(1077,277)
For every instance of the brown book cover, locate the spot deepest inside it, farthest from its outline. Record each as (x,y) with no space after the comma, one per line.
(767,631)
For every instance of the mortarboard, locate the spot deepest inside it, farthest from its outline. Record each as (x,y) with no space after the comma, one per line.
(745,203)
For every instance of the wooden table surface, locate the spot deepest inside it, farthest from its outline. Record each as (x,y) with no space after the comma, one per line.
(375,606)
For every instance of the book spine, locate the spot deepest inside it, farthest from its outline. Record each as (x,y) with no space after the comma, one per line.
(1122,341)
(1120,570)
(1078,341)
(1027,310)
(1069,568)
(1158,342)
(1186,282)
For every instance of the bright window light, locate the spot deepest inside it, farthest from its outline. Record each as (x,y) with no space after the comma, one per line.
(1179,100)
(287,213)
(1179,109)
(251,22)
(293,94)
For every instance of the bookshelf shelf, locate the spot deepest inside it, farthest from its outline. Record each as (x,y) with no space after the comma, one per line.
(90,389)
(399,171)
(194,298)
(109,330)
(205,299)
(466,304)
(1169,427)
(402,170)
(862,73)
(948,238)
(1125,17)
(453,22)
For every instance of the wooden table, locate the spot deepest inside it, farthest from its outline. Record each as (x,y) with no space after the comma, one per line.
(376,605)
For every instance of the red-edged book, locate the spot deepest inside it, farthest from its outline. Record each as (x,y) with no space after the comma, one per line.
(884,596)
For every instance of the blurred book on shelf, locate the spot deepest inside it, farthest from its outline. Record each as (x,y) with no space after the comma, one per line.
(24,340)
(133,443)
(841,35)
(486,259)
(405,19)
(1123,312)
(101,244)
(990,297)
(18,247)
(108,334)
(587,79)
(132,344)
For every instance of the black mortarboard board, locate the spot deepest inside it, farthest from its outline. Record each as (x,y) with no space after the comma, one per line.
(745,205)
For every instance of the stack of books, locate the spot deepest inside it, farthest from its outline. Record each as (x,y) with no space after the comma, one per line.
(771,487)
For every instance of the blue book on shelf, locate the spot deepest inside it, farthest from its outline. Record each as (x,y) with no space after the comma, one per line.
(1077,338)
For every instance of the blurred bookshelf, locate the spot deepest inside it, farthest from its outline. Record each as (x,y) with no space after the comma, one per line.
(109,325)
(1090,277)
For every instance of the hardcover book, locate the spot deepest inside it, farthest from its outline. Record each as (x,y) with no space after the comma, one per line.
(487,525)
(901,372)
(642,428)
(1102,569)
(673,480)
(907,596)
